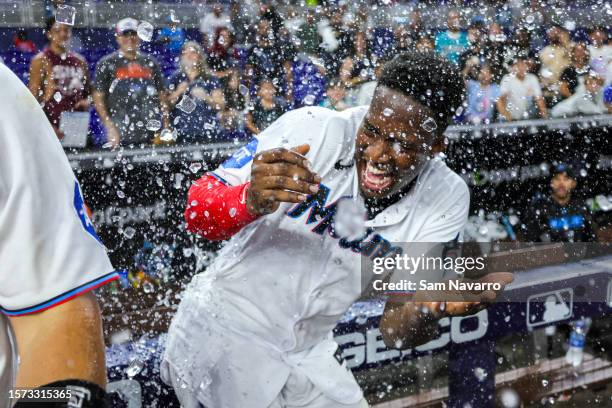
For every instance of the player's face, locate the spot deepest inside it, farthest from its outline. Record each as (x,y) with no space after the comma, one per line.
(60,34)
(128,41)
(562,185)
(394,142)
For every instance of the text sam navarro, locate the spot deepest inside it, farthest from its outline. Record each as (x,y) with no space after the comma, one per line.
(453,284)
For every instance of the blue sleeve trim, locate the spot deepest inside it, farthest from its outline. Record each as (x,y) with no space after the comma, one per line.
(218,177)
(58,300)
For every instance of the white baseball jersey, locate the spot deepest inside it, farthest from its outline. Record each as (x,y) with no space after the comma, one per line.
(49,251)
(268,303)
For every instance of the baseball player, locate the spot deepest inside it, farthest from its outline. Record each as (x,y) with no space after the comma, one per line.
(50,261)
(255,330)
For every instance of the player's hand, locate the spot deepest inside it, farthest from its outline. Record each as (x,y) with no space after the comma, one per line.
(280,175)
(478,300)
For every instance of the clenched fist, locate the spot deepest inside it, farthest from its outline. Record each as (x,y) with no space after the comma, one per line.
(280,175)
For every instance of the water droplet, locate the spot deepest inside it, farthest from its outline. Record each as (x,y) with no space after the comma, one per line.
(545,383)
(429,125)
(309,99)
(509,398)
(244,91)
(148,287)
(186,104)
(120,194)
(153,125)
(167,135)
(195,167)
(480,373)
(65,14)
(232,212)
(129,232)
(57,97)
(388,112)
(134,368)
(145,31)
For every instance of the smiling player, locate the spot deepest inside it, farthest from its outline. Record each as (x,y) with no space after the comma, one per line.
(255,330)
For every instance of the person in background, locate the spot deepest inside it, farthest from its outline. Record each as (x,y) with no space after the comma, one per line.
(357,66)
(172,35)
(22,43)
(308,34)
(230,126)
(472,58)
(221,54)
(267,109)
(588,99)
(599,50)
(521,44)
(59,79)
(424,44)
(266,59)
(496,50)
(559,216)
(554,58)
(235,95)
(129,90)
(573,76)
(454,41)
(336,96)
(482,97)
(241,22)
(195,97)
(520,93)
(211,22)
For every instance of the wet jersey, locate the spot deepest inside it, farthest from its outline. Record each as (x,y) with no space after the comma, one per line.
(268,303)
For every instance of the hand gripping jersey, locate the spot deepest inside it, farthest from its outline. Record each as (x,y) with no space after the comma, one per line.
(268,303)
(49,251)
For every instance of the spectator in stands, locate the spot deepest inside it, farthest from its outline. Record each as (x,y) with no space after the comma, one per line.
(172,35)
(336,97)
(559,216)
(337,41)
(573,75)
(236,94)
(293,21)
(520,93)
(454,41)
(357,67)
(230,126)
(599,50)
(472,58)
(22,43)
(195,97)
(587,100)
(496,50)
(267,109)
(482,96)
(266,59)
(425,44)
(241,22)
(129,90)
(554,58)
(308,34)
(59,78)
(521,44)
(211,22)
(221,55)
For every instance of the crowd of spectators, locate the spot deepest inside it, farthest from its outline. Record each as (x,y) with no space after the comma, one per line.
(242,73)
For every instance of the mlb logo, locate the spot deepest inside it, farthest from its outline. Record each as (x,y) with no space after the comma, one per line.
(549,307)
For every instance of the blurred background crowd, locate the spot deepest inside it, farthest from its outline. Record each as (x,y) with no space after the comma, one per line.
(250,61)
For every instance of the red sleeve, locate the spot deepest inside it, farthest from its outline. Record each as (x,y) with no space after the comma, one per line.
(215,210)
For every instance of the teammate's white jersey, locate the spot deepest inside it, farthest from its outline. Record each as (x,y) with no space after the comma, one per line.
(49,251)
(268,303)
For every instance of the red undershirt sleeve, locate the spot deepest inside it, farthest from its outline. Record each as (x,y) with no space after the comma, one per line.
(215,210)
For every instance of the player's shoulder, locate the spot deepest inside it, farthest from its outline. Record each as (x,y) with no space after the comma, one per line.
(108,59)
(15,90)
(445,180)
(318,118)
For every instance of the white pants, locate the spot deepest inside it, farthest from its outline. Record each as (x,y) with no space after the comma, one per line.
(298,392)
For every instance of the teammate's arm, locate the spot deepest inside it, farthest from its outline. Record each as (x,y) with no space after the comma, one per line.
(112,133)
(61,343)
(38,72)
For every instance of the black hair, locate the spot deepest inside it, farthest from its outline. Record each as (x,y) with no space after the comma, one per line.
(49,24)
(430,80)
(563,168)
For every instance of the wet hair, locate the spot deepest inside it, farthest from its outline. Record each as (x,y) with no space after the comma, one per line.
(430,80)
(563,168)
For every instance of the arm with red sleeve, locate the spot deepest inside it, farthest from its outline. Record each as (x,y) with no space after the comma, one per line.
(216,210)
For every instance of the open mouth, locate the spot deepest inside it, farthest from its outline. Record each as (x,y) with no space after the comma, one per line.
(376,179)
